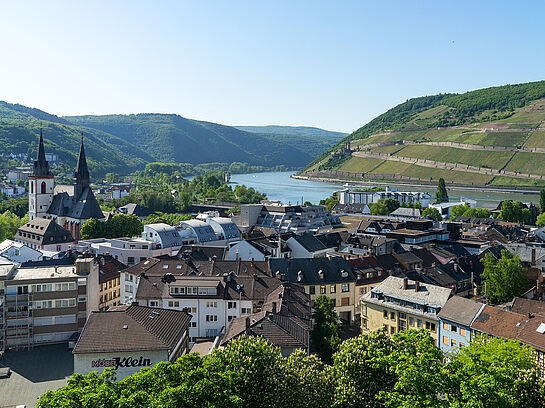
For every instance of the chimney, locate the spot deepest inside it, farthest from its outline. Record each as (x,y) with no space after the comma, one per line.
(274,307)
(405,283)
(533,257)
(416,286)
(247,325)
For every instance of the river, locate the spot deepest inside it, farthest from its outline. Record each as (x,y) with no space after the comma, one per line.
(280,186)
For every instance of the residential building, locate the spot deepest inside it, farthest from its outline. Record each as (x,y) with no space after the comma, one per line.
(70,206)
(285,321)
(307,245)
(398,304)
(130,338)
(134,209)
(44,234)
(12,190)
(223,227)
(456,318)
(47,301)
(163,234)
(19,252)
(120,192)
(332,277)
(195,232)
(110,282)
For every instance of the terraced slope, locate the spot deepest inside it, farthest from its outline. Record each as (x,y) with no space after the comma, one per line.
(491,137)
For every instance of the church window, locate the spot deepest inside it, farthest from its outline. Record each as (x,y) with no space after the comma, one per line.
(43,187)
(31,187)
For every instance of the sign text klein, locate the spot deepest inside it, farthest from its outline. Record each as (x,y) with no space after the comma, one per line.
(121,362)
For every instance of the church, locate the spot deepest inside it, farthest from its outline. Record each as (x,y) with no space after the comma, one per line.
(70,206)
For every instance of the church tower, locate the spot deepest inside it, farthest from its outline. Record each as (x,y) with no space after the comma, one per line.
(41,184)
(81,176)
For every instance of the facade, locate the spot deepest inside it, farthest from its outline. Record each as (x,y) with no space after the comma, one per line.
(12,190)
(223,227)
(47,303)
(348,196)
(45,235)
(332,277)
(398,304)
(195,232)
(70,206)
(131,338)
(110,282)
(456,318)
(164,235)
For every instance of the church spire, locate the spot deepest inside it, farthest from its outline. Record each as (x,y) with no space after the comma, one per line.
(41,166)
(82,172)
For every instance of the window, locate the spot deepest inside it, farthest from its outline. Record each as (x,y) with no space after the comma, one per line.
(193,310)
(245,310)
(445,340)
(43,187)
(231,305)
(82,298)
(211,304)
(454,328)
(193,324)
(45,287)
(211,318)
(392,330)
(411,321)
(430,326)
(445,326)
(363,310)
(312,290)
(364,323)
(345,301)
(345,287)
(154,303)
(229,318)
(22,290)
(385,328)
(392,315)
(462,345)
(173,303)
(385,314)
(65,302)
(322,289)
(130,259)
(453,343)
(419,323)
(333,289)
(462,332)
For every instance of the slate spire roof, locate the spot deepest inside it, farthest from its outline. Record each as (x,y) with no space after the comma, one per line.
(41,166)
(82,172)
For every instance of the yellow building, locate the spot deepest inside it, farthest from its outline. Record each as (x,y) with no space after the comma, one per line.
(398,304)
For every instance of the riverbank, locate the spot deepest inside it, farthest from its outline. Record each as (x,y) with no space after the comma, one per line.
(514,190)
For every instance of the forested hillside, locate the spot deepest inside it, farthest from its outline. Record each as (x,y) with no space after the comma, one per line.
(492,136)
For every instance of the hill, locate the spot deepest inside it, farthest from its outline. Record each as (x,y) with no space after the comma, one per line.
(172,138)
(124,143)
(308,139)
(493,136)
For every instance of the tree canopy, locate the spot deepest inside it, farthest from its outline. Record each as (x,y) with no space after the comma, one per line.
(503,277)
(442,195)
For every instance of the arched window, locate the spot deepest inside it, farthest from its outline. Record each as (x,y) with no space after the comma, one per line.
(43,187)
(31,187)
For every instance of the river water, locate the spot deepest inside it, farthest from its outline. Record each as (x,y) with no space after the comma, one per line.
(280,186)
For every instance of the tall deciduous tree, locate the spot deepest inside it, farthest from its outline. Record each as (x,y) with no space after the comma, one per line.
(325,335)
(503,278)
(442,195)
(433,213)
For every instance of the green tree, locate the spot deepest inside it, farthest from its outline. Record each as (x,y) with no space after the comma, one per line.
(325,335)
(120,225)
(92,228)
(9,224)
(515,212)
(379,208)
(503,278)
(442,195)
(433,213)
(541,220)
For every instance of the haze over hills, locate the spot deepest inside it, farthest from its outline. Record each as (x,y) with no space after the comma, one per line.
(124,143)
(493,136)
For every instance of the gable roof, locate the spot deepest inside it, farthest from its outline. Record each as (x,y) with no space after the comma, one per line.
(460,310)
(43,231)
(83,207)
(134,328)
(498,322)
(333,270)
(309,242)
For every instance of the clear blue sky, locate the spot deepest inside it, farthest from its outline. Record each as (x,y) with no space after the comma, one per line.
(332,64)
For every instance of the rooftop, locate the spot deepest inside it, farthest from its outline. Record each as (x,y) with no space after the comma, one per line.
(460,310)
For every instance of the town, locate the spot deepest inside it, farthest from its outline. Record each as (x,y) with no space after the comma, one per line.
(199,284)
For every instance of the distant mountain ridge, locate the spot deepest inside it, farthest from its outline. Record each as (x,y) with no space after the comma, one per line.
(124,143)
(293,130)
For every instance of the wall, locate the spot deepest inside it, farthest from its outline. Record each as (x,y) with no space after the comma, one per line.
(451,340)
(83,362)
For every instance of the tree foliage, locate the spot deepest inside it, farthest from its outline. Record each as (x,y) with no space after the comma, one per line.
(9,224)
(442,195)
(433,213)
(503,277)
(119,225)
(464,210)
(325,335)
(515,211)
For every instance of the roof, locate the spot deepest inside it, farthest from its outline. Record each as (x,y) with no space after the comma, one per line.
(431,295)
(460,310)
(525,306)
(41,166)
(83,207)
(406,212)
(42,231)
(314,270)
(309,242)
(134,328)
(167,233)
(109,268)
(498,322)
(134,209)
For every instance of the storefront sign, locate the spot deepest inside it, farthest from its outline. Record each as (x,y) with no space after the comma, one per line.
(122,362)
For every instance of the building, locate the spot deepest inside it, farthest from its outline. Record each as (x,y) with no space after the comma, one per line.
(163,234)
(398,304)
(12,190)
(223,227)
(19,252)
(332,277)
(118,192)
(129,251)
(70,206)
(446,208)
(456,318)
(44,234)
(47,301)
(285,321)
(195,232)
(131,338)
(348,196)
(111,283)
(134,209)
(286,218)
(307,245)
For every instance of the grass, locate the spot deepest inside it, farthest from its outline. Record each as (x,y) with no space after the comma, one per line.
(530,163)
(490,138)
(387,149)
(522,126)
(360,165)
(516,182)
(537,139)
(480,158)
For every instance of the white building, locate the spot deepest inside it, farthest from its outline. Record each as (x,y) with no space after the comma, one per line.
(44,235)
(12,190)
(195,232)
(163,234)
(348,196)
(223,227)
(446,208)
(19,252)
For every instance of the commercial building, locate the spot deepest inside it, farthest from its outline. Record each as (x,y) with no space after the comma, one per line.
(46,301)
(348,196)
(223,227)
(131,338)
(398,304)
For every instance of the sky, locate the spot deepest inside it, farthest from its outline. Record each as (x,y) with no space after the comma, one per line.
(334,65)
